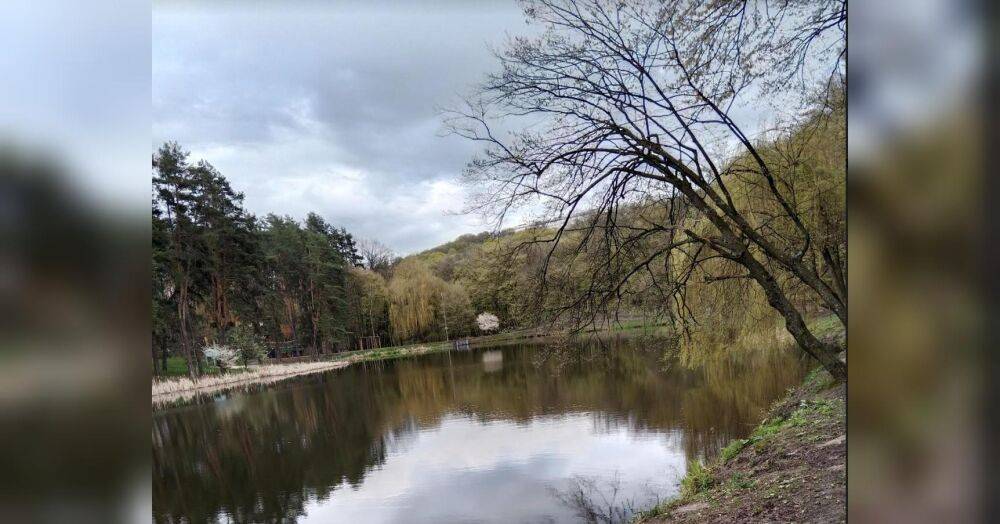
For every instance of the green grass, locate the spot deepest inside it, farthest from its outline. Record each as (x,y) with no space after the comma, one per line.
(697,479)
(658,510)
(177,367)
(738,481)
(392,351)
(700,482)
(733,449)
(773,426)
(826,326)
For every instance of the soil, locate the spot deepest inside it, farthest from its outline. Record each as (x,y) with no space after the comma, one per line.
(793,469)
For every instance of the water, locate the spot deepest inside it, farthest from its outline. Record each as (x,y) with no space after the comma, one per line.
(507,434)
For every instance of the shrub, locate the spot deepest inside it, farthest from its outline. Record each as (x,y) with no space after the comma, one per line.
(698,479)
(248,345)
(487,322)
(222,356)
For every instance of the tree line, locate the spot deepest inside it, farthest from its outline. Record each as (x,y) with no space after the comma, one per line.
(224,276)
(649,195)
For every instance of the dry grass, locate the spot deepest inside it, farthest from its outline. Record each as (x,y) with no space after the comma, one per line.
(166,391)
(180,389)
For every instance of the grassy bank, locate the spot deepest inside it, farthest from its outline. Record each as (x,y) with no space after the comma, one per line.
(368,355)
(792,468)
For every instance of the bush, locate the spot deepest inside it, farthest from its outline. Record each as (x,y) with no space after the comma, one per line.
(248,345)
(488,322)
(222,356)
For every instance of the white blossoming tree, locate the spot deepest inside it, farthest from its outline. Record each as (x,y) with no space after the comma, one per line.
(223,356)
(488,322)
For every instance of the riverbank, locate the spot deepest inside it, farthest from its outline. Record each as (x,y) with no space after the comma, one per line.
(174,390)
(791,469)
(179,388)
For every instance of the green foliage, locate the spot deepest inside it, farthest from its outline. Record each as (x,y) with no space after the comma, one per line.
(369,303)
(177,367)
(423,306)
(739,481)
(248,345)
(216,267)
(733,449)
(697,479)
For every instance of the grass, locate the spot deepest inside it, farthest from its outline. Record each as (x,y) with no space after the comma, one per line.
(179,388)
(176,386)
(177,367)
(733,449)
(385,353)
(773,426)
(802,419)
(697,479)
(826,326)
(738,481)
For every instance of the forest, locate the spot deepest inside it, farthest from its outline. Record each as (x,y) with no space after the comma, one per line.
(224,276)
(272,285)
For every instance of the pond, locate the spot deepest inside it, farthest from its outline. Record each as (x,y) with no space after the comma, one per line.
(519,433)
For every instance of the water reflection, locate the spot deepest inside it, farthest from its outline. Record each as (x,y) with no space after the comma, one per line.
(492,360)
(457,436)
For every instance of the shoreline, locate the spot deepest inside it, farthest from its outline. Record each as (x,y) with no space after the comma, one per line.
(172,390)
(168,391)
(792,467)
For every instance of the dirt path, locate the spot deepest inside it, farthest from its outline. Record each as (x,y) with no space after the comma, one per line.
(792,469)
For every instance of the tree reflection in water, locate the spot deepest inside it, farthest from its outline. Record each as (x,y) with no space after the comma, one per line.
(265,456)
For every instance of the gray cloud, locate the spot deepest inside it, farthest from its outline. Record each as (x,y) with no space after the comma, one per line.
(332,108)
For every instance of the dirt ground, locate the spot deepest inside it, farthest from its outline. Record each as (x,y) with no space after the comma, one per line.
(792,469)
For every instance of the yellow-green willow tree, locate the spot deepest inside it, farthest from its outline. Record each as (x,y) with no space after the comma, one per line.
(423,306)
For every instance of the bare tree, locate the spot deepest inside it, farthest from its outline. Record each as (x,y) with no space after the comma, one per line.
(630,142)
(376,256)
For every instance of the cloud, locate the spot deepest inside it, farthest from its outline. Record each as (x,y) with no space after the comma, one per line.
(491,464)
(325,108)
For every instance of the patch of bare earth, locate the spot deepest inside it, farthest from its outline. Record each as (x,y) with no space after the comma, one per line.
(793,469)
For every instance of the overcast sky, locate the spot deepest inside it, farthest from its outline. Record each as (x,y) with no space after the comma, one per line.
(330,106)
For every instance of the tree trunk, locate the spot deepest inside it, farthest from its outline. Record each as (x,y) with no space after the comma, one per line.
(823,352)
(182,310)
(734,249)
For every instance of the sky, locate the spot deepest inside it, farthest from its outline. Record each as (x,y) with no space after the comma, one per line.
(332,107)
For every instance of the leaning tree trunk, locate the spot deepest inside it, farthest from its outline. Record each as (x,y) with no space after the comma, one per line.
(823,352)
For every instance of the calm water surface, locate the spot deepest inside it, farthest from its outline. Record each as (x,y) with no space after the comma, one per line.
(507,434)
